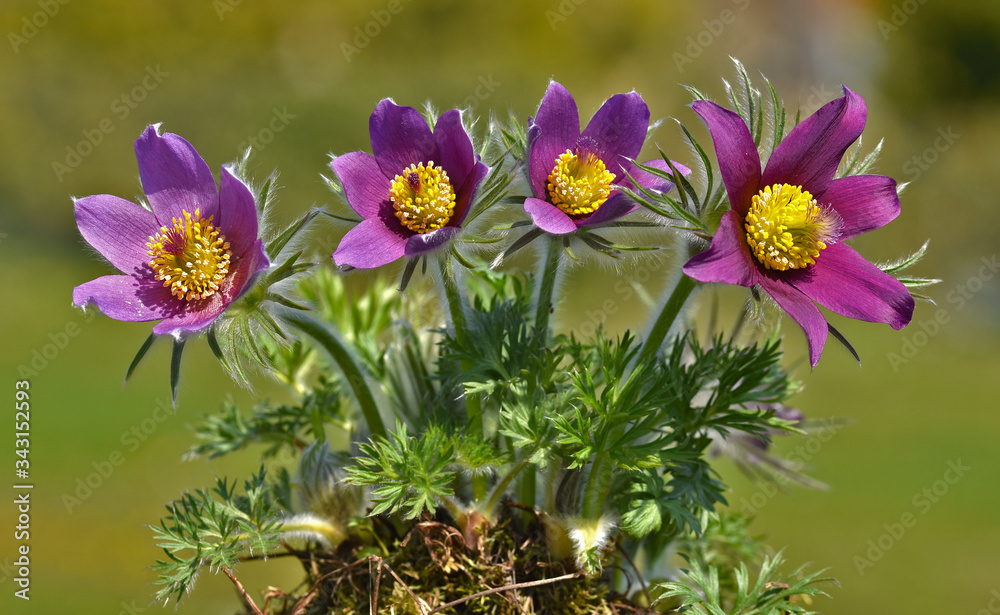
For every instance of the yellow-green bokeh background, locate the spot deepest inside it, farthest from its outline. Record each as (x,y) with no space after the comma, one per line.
(226,66)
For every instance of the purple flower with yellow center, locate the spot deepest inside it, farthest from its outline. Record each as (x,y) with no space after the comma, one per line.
(787,224)
(413,191)
(186,257)
(574,176)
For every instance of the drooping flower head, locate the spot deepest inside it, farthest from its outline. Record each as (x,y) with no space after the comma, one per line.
(413,191)
(574,176)
(186,257)
(787,224)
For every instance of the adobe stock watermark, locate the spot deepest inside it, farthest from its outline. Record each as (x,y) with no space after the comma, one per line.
(901,13)
(713,29)
(32,24)
(224,7)
(131,439)
(365,34)
(121,108)
(561,12)
(959,297)
(257,142)
(42,356)
(922,502)
(916,166)
(993,606)
(801,455)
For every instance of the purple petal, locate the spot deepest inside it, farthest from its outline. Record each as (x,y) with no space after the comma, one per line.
(128,298)
(116,228)
(466,192)
(558,124)
(197,315)
(422,243)
(400,137)
(809,155)
(457,155)
(617,206)
(864,202)
(844,282)
(237,213)
(370,244)
(801,309)
(174,177)
(618,130)
(548,217)
(727,260)
(365,185)
(739,162)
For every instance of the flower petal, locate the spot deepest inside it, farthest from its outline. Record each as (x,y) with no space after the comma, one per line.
(801,309)
(365,185)
(809,155)
(864,202)
(116,228)
(618,130)
(174,177)
(844,282)
(422,243)
(558,124)
(197,315)
(370,244)
(727,260)
(739,162)
(400,137)
(618,205)
(457,155)
(463,199)
(548,217)
(237,213)
(128,298)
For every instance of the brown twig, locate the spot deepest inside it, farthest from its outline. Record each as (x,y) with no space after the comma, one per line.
(638,575)
(243,592)
(495,590)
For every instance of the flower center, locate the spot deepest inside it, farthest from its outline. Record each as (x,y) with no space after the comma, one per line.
(787,229)
(579,185)
(423,197)
(191,257)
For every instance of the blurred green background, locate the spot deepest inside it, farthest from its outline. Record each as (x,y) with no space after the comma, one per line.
(82,79)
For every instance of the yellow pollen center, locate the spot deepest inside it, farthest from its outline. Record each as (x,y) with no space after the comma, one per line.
(578,185)
(191,257)
(787,229)
(423,197)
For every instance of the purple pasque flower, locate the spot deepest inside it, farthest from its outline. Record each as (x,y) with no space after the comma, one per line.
(413,191)
(787,224)
(188,256)
(574,176)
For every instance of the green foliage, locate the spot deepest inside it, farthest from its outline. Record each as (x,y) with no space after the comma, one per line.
(216,528)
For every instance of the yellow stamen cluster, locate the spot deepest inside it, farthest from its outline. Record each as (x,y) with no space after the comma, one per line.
(787,229)
(191,257)
(578,185)
(423,197)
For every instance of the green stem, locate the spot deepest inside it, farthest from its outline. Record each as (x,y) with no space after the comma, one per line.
(501,486)
(473,405)
(666,319)
(332,343)
(547,284)
(598,486)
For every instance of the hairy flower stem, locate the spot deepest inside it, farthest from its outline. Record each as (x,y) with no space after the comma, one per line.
(332,343)
(598,486)
(666,319)
(547,284)
(501,486)
(456,308)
